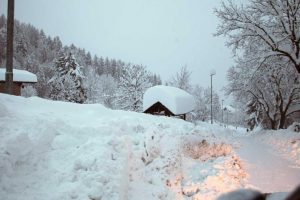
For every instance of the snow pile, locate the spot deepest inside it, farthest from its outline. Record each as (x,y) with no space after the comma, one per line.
(19,76)
(210,168)
(176,100)
(58,150)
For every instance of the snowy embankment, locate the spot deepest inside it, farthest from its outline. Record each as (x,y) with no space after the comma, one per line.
(57,150)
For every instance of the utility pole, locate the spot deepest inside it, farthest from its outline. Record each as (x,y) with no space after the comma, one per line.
(213,72)
(9,47)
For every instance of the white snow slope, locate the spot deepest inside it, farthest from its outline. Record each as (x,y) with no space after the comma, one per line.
(58,150)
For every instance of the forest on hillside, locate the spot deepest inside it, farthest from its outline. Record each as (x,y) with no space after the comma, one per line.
(97,79)
(70,73)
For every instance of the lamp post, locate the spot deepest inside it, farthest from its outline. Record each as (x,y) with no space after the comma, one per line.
(222,112)
(213,72)
(225,109)
(227,117)
(9,47)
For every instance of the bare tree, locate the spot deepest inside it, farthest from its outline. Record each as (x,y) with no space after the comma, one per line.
(268,92)
(182,79)
(203,100)
(269,27)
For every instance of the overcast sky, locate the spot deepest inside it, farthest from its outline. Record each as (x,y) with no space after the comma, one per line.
(160,34)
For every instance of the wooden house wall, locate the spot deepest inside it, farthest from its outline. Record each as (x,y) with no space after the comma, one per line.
(16,88)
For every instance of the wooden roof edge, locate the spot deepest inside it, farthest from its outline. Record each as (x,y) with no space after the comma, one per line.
(162,105)
(1,81)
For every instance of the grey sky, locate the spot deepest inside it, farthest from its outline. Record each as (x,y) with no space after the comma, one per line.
(161,34)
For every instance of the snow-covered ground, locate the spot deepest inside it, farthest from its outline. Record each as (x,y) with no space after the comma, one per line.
(58,150)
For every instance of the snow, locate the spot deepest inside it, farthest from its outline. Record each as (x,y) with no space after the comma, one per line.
(268,171)
(19,76)
(59,150)
(176,100)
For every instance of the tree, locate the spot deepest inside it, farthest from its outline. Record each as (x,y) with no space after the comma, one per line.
(265,28)
(66,84)
(155,79)
(202,97)
(182,79)
(100,88)
(88,59)
(268,91)
(132,85)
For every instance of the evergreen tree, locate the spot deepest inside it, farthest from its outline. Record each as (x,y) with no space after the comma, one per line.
(66,84)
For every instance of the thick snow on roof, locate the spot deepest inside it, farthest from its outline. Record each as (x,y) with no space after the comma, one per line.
(19,75)
(230,108)
(176,100)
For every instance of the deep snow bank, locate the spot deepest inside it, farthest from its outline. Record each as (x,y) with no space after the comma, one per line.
(57,150)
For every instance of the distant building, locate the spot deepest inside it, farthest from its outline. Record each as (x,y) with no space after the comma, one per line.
(168,101)
(20,77)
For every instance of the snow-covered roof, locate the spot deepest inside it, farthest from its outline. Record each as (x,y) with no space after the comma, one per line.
(19,76)
(229,108)
(176,100)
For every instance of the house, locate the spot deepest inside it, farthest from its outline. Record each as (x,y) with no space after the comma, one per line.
(168,101)
(20,77)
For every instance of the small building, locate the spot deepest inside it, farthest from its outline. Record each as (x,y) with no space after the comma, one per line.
(20,77)
(168,101)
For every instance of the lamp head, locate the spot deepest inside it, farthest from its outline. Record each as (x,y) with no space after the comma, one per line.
(213,72)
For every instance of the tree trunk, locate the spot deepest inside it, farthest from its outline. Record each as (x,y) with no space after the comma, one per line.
(282,121)
(298,68)
(273,124)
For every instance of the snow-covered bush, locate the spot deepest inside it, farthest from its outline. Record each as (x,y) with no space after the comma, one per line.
(203,150)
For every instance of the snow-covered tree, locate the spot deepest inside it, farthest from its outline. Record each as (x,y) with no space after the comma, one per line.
(268,92)
(265,28)
(108,90)
(134,80)
(100,89)
(66,84)
(182,79)
(203,104)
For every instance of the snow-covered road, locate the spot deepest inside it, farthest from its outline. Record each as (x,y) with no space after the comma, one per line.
(268,171)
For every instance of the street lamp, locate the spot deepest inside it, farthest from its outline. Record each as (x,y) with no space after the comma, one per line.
(225,109)
(222,112)
(213,72)
(227,117)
